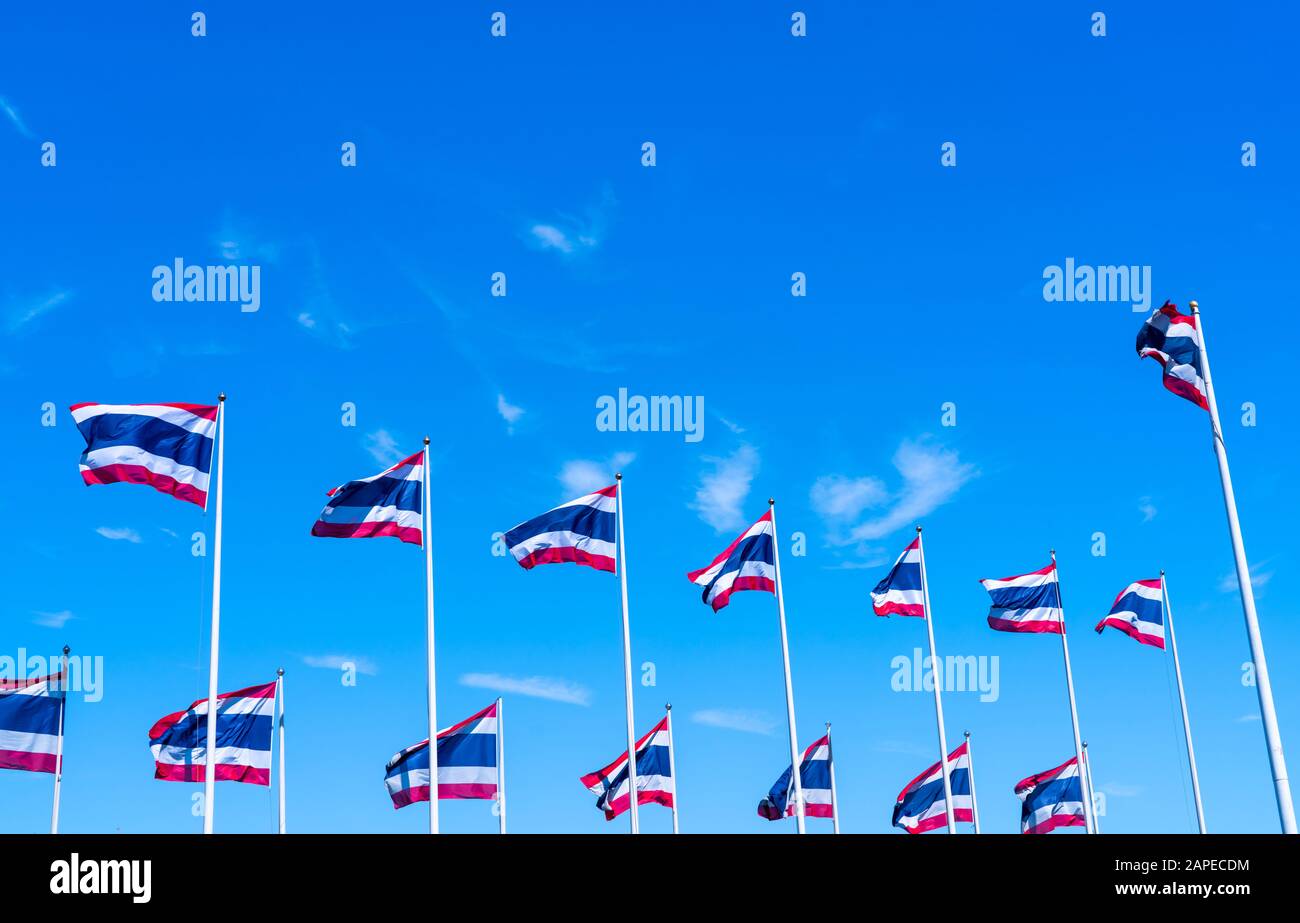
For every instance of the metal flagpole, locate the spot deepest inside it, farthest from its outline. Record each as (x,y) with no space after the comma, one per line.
(974,802)
(58,747)
(830,763)
(501,765)
(279,682)
(1074,712)
(427,539)
(1182,701)
(672,763)
(210,750)
(1263,687)
(633,792)
(1091,793)
(796,766)
(934,675)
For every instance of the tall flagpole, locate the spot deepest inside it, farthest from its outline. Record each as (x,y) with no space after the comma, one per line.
(1074,711)
(210,750)
(1263,687)
(672,763)
(796,767)
(1091,793)
(58,753)
(279,682)
(830,764)
(934,675)
(501,765)
(1182,702)
(974,802)
(634,794)
(427,540)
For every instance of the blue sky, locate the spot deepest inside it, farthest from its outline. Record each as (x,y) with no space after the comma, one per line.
(775,155)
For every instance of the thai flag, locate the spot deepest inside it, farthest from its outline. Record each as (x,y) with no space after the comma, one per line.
(388,503)
(30,715)
(749,563)
(900,592)
(1052,799)
(578,532)
(167,446)
(1029,602)
(654,777)
(1173,340)
(244,724)
(467,763)
(814,777)
(1139,613)
(920,805)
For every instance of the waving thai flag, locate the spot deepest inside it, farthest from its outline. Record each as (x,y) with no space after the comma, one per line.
(387,503)
(578,532)
(749,563)
(244,725)
(30,722)
(1173,340)
(1139,613)
(920,805)
(166,446)
(814,777)
(1030,602)
(467,763)
(654,777)
(900,593)
(1052,799)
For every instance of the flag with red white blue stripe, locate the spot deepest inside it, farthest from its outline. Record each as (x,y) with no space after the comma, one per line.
(165,446)
(921,806)
(389,503)
(1052,799)
(244,724)
(30,722)
(467,763)
(1139,613)
(900,593)
(1026,603)
(654,778)
(748,563)
(815,781)
(1173,340)
(578,532)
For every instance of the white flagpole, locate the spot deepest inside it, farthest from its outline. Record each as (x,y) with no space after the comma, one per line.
(672,763)
(1263,687)
(1091,792)
(1182,702)
(633,793)
(934,674)
(796,766)
(210,750)
(427,539)
(58,747)
(1074,711)
(830,764)
(501,765)
(974,802)
(279,682)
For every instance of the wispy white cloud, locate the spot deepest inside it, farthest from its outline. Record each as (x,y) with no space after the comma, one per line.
(551,238)
(1147,509)
(931,476)
(30,310)
(574,234)
(363,665)
(11,113)
(749,722)
(1259,578)
(583,475)
(306,320)
(1248,718)
(1116,790)
(536,687)
(120,535)
(724,487)
(509,412)
(52,619)
(383,447)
